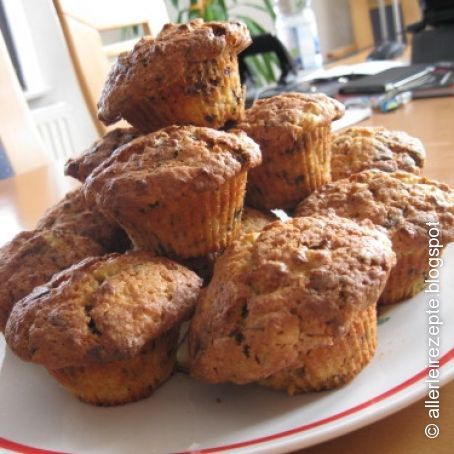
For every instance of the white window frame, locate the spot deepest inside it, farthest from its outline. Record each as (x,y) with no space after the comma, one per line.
(25,49)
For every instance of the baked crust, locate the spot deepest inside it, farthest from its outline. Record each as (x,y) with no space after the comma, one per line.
(32,258)
(374,147)
(293,131)
(253,220)
(80,167)
(124,381)
(332,365)
(161,68)
(102,310)
(400,202)
(289,112)
(169,163)
(285,290)
(204,40)
(73,214)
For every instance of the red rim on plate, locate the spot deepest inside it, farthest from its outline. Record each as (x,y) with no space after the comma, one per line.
(13,446)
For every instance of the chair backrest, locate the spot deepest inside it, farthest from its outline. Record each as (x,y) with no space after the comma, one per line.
(85,21)
(21,146)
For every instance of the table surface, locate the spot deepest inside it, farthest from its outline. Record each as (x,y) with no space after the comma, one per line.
(24,198)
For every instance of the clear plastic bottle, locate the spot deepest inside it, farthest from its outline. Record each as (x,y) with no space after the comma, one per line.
(297,29)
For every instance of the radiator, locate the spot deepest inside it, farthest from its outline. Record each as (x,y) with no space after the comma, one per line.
(53,123)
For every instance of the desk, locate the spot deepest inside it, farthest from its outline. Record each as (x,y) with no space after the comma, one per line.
(24,198)
(432,120)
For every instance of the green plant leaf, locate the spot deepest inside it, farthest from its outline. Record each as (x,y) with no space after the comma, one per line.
(175,3)
(274,58)
(260,65)
(223,5)
(181,13)
(194,14)
(255,70)
(261,72)
(208,13)
(218,12)
(254,27)
(267,60)
(270,9)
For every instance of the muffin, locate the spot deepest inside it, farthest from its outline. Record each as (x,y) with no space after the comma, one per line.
(297,292)
(187,75)
(333,365)
(251,221)
(179,191)
(294,134)
(80,167)
(254,220)
(403,204)
(374,147)
(32,258)
(73,214)
(107,328)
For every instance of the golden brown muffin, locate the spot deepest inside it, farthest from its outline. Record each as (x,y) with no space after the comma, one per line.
(73,214)
(294,134)
(107,328)
(254,220)
(178,191)
(374,147)
(80,167)
(333,365)
(187,75)
(251,221)
(32,258)
(279,294)
(400,202)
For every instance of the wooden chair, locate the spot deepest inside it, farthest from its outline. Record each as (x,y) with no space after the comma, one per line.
(20,144)
(84,21)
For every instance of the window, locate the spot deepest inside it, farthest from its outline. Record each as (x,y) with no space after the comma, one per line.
(19,41)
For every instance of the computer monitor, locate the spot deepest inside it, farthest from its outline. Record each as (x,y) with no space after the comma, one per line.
(437,12)
(435,29)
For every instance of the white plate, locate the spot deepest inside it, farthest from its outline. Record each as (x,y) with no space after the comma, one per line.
(185,415)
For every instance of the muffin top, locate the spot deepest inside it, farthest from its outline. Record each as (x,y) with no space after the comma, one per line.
(292,110)
(170,162)
(154,63)
(254,220)
(210,38)
(374,147)
(83,165)
(101,310)
(286,289)
(32,258)
(73,214)
(400,202)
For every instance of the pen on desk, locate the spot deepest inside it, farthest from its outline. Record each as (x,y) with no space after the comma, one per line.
(393,101)
(445,78)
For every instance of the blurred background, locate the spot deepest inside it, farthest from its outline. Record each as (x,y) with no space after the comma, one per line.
(60,51)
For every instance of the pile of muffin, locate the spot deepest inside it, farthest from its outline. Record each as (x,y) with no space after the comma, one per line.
(158,234)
